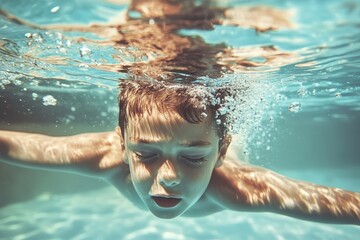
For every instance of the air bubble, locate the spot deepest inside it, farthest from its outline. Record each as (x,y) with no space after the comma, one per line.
(202,106)
(49,100)
(280,97)
(302,92)
(59,36)
(68,43)
(62,50)
(35,82)
(222,111)
(84,51)
(17,82)
(5,82)
(203,115)
(83,66)
(34,96)
(55,9)
(294,107)
(37,37)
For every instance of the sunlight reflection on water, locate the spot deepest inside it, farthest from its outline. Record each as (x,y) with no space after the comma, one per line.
(103,214)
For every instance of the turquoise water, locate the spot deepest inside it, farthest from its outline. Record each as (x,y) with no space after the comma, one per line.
(301,118)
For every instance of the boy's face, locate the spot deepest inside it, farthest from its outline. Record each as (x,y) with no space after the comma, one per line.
(171,160)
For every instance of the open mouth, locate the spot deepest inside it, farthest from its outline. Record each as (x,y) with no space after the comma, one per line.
(166,202)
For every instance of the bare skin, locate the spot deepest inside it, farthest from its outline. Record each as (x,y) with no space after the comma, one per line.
(231,185)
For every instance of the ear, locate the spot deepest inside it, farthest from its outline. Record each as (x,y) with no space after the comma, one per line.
(223,147)
(122,143)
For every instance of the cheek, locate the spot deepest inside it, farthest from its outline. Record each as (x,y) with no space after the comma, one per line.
(139,172)
(199,177)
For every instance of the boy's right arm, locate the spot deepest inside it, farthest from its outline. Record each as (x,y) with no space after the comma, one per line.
(89,153)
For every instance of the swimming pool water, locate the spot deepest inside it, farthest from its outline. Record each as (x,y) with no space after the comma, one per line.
(109,216)
(301,118)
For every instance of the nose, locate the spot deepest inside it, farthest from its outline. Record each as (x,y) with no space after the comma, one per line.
(167,175)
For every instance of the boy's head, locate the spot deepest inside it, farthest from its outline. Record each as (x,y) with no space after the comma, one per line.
(191,103)
(172,142)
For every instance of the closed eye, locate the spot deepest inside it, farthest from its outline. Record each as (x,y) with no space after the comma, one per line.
(194,159)
(145,156)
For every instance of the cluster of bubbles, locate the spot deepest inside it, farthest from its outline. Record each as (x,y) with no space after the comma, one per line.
(299,97)
(294,107)
(25,82)
(60,49)
(84,51)
(254,102)
(49,100)
(8,79)
(245,106)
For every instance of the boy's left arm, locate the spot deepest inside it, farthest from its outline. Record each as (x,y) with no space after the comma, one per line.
(243,187)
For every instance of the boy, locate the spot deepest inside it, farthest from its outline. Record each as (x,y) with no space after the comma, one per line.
(171,154)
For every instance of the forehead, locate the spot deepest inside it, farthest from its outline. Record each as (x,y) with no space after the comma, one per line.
(155,126)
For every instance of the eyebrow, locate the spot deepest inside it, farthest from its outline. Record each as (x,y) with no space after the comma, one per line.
(196,144)
(199,143)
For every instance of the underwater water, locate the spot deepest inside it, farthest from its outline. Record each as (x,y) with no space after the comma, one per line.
(300,112)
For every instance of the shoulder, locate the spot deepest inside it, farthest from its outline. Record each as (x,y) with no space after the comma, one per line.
(235,183)
(111,152)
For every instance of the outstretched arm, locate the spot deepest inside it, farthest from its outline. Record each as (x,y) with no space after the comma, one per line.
(90,153)
(244,187)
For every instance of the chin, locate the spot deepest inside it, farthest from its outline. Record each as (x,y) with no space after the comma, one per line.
(166,213)
(166,216)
